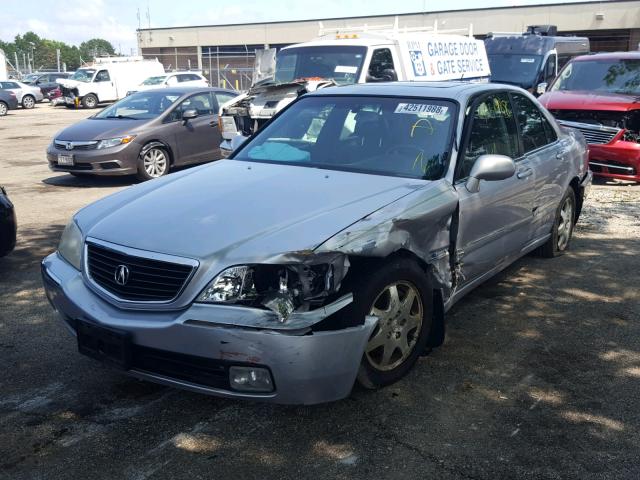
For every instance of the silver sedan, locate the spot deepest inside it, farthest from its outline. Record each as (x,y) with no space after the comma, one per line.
(328,249)
(27,95)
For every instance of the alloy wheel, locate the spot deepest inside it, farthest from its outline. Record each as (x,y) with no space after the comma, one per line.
(566,224)
(400,312)
(155,163)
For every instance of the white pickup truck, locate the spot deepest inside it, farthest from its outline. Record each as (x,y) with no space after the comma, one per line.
(107,80)
(347,57)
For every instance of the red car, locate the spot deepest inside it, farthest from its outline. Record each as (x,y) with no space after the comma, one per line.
(600,96)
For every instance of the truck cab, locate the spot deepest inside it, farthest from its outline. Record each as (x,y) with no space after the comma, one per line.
(348,57)
(531,60)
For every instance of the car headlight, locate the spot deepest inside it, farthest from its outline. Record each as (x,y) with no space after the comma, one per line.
(114,142)
(70,246)
(279,288)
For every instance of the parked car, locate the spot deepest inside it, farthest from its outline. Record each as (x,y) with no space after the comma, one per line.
(327,248)
(598,95)
(27,95)
(8,101)
(147,134)
(531,60)
(45,81)
(182,79)
(8,224)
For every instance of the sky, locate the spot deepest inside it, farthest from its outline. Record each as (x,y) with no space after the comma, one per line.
(74,21)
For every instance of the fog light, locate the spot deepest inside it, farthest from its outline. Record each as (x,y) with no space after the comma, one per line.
(250,379)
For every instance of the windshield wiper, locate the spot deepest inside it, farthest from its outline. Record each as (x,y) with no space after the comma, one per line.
(121,116)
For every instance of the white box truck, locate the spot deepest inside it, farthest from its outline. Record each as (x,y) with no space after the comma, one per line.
(355,55)
(107,80)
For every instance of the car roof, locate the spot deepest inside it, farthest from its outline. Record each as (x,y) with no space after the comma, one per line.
(186,90)
(609,56)
(455,90)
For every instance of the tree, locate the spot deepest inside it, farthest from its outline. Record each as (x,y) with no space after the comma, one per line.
(95,47)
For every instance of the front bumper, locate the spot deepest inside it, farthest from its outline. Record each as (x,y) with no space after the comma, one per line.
(617,159)
(307,368)
(120,160)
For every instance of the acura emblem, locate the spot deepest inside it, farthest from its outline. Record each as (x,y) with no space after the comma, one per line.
(69,146)
(121,275)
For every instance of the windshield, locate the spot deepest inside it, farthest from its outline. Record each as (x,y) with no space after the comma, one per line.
(83,75)
(613,76)
(340,63)
(516,69)
(154,80)
(385,136)
(140,106)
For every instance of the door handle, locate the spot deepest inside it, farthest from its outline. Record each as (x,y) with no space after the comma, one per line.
(524,173)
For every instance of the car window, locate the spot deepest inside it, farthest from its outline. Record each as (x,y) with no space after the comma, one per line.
(493,131)
(381,60)
(102,76)
(140,106)
(202,103)
(531,123)
(379,135)
(224,97)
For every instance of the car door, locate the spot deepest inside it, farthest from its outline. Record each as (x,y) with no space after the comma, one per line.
(198,139)
(104,86)
(494,222)
(545,154)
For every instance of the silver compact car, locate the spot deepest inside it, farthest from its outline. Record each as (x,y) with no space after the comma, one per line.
(327,249)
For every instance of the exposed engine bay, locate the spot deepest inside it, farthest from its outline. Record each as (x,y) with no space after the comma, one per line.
(629,121)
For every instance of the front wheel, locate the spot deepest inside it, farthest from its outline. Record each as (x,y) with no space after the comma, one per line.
(90,101)
(153,163)
(28,102)
(400,296)
(562,227)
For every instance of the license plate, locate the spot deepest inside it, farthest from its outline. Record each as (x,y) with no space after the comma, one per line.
(109,345)
(65,160)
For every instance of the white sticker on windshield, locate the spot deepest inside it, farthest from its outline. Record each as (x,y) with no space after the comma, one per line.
(421,108)
(527,60)
(345,69)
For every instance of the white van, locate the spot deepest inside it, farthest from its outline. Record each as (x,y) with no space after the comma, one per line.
(107,80)
(359,55)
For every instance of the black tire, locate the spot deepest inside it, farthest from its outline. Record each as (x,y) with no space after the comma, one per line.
(562,231)
(162,163)
(4,108)
(28,102)
(372,290)
(90,101)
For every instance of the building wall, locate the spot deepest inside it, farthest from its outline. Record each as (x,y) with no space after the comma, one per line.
(616,15)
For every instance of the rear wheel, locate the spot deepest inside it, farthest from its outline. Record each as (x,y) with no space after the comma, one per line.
(90,101)
(400,295)
(28,102)
(153,163)
(562,227)
(4,108)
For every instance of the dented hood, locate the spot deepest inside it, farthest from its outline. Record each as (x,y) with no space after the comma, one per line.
(235,211)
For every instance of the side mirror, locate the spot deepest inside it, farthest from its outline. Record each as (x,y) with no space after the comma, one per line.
(490,168)
(541,88)
(189,114)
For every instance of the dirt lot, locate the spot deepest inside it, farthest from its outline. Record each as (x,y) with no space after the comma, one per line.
(539,376)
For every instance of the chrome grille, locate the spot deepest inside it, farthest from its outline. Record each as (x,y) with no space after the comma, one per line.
(68,145)
(148,280)
(593,134)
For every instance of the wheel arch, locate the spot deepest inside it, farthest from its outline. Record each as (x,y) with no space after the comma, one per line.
(149,144)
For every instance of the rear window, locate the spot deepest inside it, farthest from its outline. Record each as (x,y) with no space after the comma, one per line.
(404,137)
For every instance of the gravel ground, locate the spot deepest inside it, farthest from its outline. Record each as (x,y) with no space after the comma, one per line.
(539,376)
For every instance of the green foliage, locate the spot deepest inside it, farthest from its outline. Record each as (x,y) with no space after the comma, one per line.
(44,51)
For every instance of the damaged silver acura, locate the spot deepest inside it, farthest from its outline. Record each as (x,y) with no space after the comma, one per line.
(327,249)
